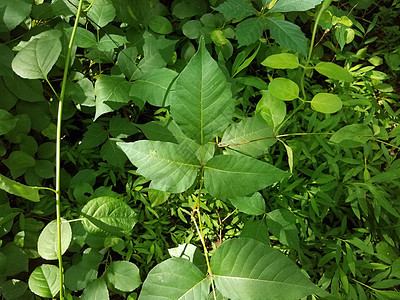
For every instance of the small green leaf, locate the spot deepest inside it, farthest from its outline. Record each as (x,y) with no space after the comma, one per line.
(236,9)
(249,31)
(248,269)
(121,127)
(287,34)
(108,216)
(326,103)
(44,281)
(37,58)
(17,259)
(101,12)
(333,71)
(18,162)
(281,61)
(96,290)
(271,109)
(123,275)
(253,205)
(13,13)
(13,289)
(175,278)
(352,136)
(231,176)
(284,89)
(18,189)
(160,25)
(7,122)
(47,242)
(94,136)
(294,5)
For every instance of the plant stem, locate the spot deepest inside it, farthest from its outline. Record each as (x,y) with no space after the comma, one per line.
(58,148)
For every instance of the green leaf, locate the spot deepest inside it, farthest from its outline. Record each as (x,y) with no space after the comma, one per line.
(44,281)
(37,58)
(236,9)
(160,25)
(253,205)
(6,57)
(294,5)
(102,12)
(13,12)
(231,176)
(250,136)
(284,89)
(171,167)
(96,290)
(352,136)
(326,103)
(13,289)
(111,93)
(282,224)
(108,216)
(202,105)
(47,242)
(111,153)
(7,122)
(333,71)
(18,162)
(281,61)
(94,136)
(157,197)
(257,230)
(287,34)
(192,29)
(17,259)
(175,278)
(83,38)
(271,109)
(153,87)
(249,31)
(111,41)
(123,275)
(28,90)
(121,127)
(248,269)
(191,253)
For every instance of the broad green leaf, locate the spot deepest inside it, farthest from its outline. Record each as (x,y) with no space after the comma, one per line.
(253,205)
(108,216)
(18,162)
(37,58)
(94,136)
(333,71)
(284,89)
(17,259)
(6,57)
(202,105)
(111,41)
(96,290)
(249,31)
(79,275)
(83,37)
(171,167)
(121,127)
(111,93)
(160,25)
(257,230)
(191,253)
(7,215)
(175,278)
(287,34)
(326,103)
(7,122)
(281,61)
(294,5)
(13,289)
(248,269)
(154,86)
(47,242)
(351,136)
(123,275)
(282,224)
(157,197)
(271,109)
(45,281)
(236,9)
(231,176)
(158,131)
(250,136)
(113,154)
(188,8)
(127,61)
(13,12)
(192,29)
(253,81)
(28,90)
(81,92)
(102,12)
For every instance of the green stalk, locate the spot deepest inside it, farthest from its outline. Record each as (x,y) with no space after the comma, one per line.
(58,148)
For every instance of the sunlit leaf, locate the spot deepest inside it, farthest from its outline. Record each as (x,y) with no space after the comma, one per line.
(48,241)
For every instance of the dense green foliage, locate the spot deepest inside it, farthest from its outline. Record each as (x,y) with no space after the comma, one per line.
(210,149)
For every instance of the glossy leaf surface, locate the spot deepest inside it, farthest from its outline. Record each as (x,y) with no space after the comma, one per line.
(44,281)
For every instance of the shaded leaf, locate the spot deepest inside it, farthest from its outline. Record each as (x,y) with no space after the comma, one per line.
(282,224)
(351,136)
(123,275)
(18,189)
(96,290)
(253,205)
(249,31)
(236,9)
